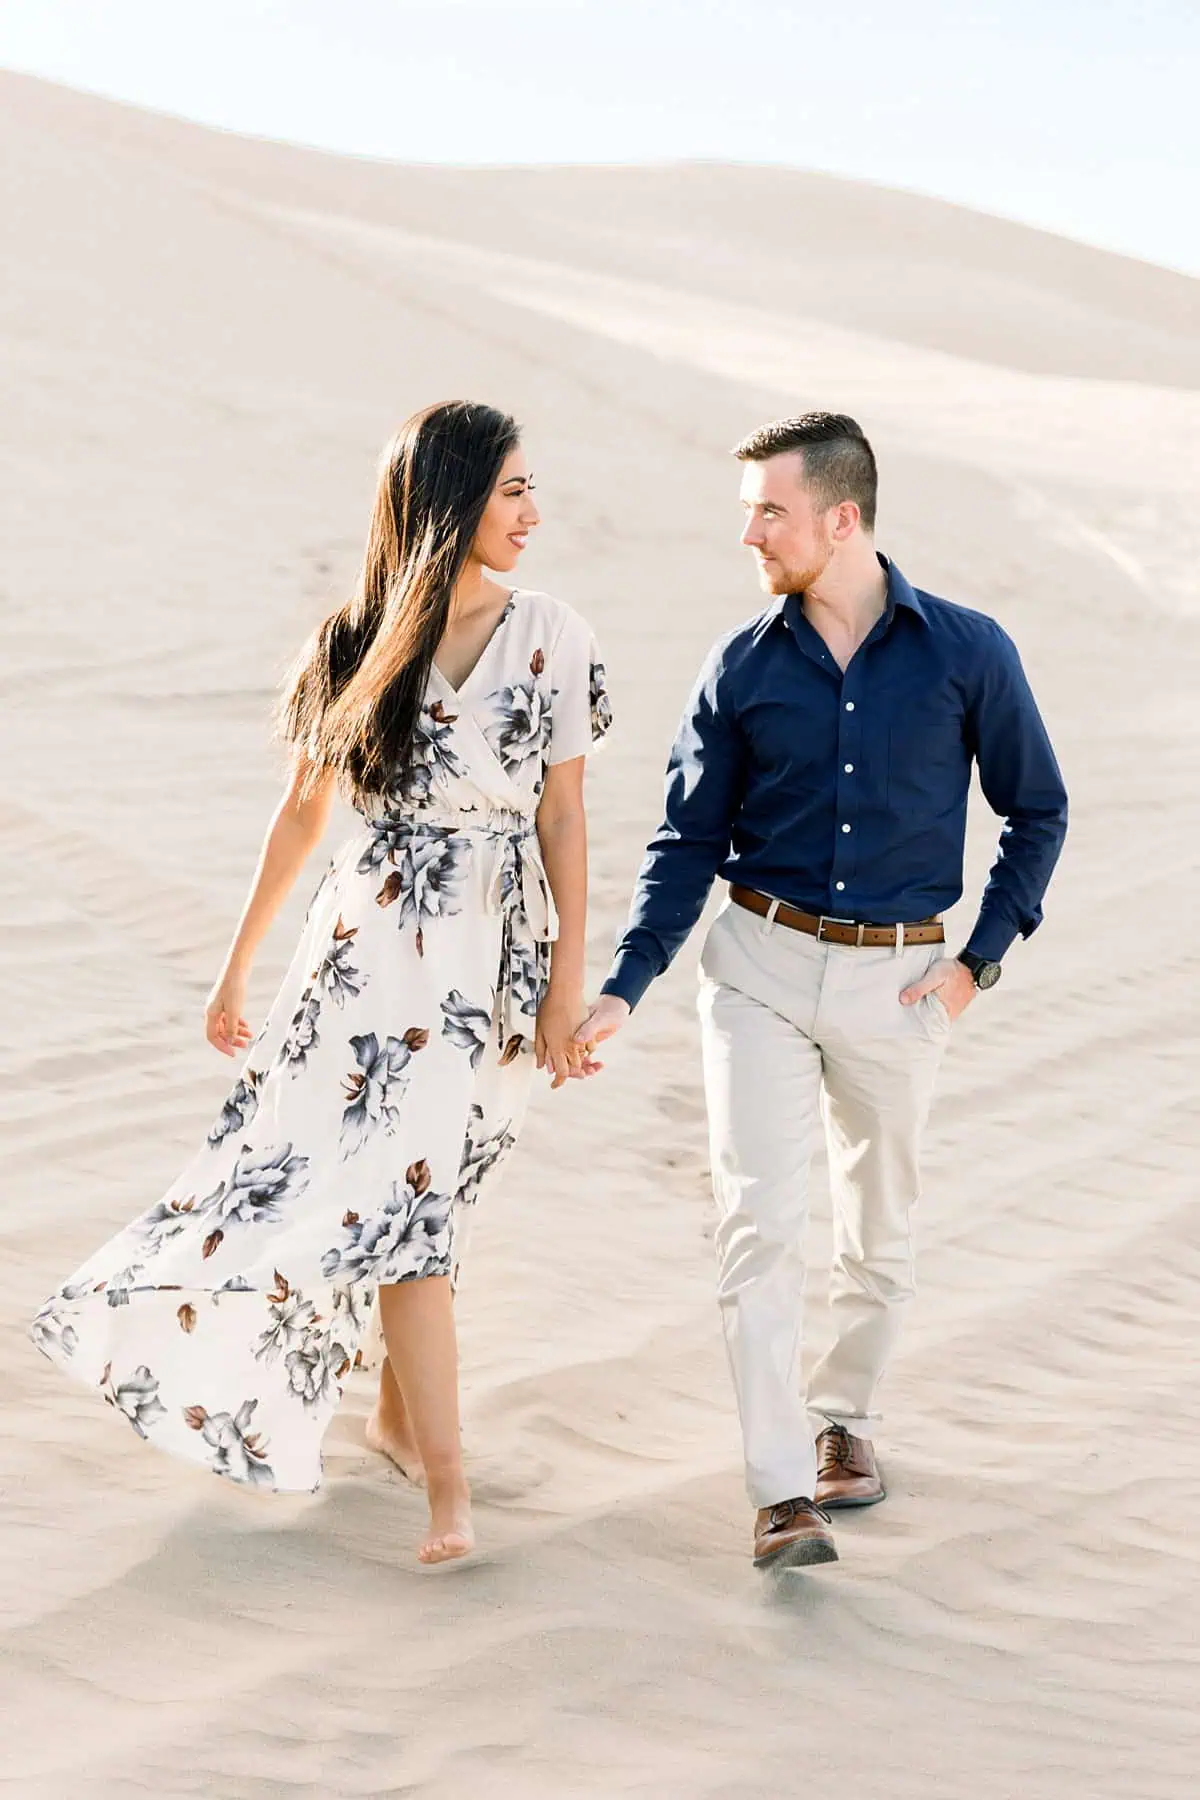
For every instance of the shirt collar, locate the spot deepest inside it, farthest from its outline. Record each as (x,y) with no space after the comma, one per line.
(900,592)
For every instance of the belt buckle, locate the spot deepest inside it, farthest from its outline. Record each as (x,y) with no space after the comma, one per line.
(832,919)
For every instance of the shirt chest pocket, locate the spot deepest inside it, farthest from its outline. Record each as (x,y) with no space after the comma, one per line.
(926,755)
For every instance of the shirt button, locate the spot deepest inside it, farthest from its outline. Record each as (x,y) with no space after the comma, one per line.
(845,828)
(849,706)
(840,886)
(849,768)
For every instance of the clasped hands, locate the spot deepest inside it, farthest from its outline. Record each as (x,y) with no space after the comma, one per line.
(565,1047)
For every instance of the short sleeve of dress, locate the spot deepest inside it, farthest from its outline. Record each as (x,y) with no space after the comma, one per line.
(582,712)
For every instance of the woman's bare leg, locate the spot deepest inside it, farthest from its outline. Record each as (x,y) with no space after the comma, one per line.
(389,1428)
(418,1329)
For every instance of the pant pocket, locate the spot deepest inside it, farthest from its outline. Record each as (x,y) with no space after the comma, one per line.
(931,1008)
(710,948)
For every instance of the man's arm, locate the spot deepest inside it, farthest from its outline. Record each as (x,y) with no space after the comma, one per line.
(705,776)
(1021,781)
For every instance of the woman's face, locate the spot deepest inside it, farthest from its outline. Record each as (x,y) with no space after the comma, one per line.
(509,517)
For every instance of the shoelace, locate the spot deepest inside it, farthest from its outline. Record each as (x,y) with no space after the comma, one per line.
(788,1511)
(837,1451)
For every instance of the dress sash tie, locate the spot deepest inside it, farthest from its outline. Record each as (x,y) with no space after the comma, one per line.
(519,889)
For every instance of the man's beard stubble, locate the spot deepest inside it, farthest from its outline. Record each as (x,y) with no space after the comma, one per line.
(779,580)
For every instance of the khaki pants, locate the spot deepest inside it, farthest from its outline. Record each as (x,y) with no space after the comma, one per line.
(792,1030)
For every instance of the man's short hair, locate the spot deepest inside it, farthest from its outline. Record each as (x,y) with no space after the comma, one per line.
(839,463)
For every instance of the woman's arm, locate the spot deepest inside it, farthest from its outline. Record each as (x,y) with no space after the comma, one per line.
(562,833)
(296,828)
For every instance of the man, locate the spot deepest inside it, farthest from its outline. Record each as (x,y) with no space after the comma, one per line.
(822,769)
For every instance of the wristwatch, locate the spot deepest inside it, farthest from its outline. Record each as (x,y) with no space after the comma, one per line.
(984,974)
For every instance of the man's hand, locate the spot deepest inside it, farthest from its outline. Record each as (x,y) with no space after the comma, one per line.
(951,980)
(606,1017)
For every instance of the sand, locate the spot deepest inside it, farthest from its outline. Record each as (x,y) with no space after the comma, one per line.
(205,340)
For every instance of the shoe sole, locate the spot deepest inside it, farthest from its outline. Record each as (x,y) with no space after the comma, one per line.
(798,1556)
(847,1505)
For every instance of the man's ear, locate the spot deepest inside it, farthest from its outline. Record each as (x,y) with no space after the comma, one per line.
(847,521)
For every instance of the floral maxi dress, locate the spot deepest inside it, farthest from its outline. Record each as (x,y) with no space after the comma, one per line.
(387,1084)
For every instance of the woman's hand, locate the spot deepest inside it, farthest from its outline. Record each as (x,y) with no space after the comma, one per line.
(225,1026)
(557,1050)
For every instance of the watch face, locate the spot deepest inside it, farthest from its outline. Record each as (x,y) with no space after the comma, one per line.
(987,975)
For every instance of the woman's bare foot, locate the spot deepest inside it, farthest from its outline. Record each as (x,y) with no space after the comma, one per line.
(451,1533)
(390,1432)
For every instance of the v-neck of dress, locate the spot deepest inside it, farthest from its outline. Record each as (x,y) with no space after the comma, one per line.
(471,673)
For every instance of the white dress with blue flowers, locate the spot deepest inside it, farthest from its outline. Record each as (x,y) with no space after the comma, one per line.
(388,1083)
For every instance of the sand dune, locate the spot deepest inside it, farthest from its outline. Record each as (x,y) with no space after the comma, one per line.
(204,340)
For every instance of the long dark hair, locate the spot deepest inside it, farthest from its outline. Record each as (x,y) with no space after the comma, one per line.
(353,698)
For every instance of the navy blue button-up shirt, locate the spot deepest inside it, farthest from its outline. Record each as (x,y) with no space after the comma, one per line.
(845,793)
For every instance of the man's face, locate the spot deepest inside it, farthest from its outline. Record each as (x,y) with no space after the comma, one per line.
(792,542)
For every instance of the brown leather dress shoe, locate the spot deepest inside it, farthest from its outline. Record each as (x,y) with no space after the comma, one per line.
(847,1474)
(792,1535)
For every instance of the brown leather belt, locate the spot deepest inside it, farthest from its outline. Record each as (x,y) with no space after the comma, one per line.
(830,930)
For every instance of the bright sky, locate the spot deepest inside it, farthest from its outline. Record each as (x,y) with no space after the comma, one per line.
(1077,115)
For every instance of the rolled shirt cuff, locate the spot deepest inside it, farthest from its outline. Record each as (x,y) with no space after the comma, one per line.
(993,936)
(630,976)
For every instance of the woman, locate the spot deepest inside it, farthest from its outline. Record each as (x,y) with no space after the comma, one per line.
(391,1077)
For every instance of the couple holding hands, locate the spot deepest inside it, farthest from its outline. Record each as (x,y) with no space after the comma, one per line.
(821,771)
